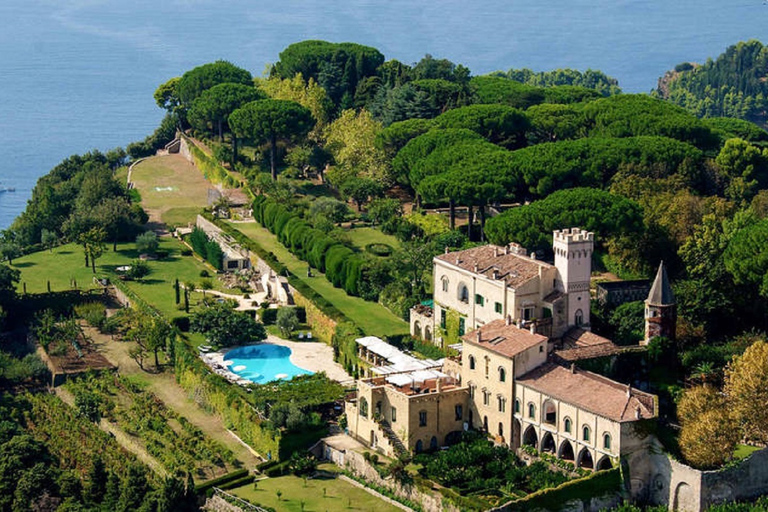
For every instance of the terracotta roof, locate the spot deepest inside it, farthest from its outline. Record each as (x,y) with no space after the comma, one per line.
(513,268)
(661,292)
(591,392)
(506,340)
(579,344)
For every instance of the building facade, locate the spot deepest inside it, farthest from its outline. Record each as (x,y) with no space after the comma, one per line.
(491,282)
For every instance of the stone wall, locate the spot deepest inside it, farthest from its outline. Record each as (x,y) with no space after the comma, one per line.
(357,465)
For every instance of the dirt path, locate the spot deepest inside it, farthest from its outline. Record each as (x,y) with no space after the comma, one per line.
(164,386)
(120,436)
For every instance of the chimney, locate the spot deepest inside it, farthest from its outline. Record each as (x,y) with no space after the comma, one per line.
(638,413)
(477,334)
(509,320)
(495,274)
(533,255)
(506,249)
(532,327)
(458,260)
(629,391)
(495,251)
(573,368)
(439,385)
(446,249)
(476,268)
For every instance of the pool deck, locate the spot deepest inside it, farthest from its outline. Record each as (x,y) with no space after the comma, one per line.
(308,355)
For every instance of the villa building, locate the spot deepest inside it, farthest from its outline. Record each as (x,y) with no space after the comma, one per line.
(487,283)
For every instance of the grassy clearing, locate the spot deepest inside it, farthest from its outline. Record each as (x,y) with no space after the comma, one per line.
(360,237)
(172,190)
(318,494)
(373,318)
(66,264)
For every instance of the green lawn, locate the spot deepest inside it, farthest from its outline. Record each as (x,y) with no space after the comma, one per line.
(319,494)
(360,237)
(373,318)
(66,264)
(743,451)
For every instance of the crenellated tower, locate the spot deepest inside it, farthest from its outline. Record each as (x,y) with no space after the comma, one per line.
(573,259)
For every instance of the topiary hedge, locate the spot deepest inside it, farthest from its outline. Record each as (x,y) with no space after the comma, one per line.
(379,249)
(342,266)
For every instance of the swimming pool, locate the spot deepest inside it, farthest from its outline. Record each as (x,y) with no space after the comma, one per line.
(263,363)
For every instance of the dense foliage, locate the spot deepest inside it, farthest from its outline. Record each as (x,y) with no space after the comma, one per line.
(223,326)
(206,247)
(733,85)
(590,79)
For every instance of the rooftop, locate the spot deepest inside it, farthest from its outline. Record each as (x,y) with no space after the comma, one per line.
(579,344)
(496,262)
(503,337)
(661,292)
(591,392)
(399,361)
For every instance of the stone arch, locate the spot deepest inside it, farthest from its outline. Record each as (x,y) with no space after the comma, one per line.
(419,446)
(549,412)
(501,429)
(485,423)
(530,438)
(462,293)
(472,362)
(444,283)
(578,318)
(604,463)
(584,460)
(566,451)
(515,434)
(548,443)
(502,374)
(433,443)
(683,497)
(428,333)
(416,329)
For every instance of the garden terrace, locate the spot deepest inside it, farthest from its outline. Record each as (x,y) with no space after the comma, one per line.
(415,383)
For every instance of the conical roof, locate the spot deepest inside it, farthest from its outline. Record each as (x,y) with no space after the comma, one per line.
(661,292)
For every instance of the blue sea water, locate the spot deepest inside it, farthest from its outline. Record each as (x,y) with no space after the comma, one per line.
(79,74)
(263,363)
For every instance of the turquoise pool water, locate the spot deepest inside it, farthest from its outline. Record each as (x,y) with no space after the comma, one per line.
(263,363)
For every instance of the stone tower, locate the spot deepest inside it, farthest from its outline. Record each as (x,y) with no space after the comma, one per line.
(660,308)
(573,260)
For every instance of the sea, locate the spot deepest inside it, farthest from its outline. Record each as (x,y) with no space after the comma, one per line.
(77,75)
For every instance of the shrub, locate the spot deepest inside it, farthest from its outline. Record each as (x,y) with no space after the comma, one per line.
(186,252)
(301,314)
(269,316)
(205,273)
(147,242)
(379,249)
(181,323)
(93,313)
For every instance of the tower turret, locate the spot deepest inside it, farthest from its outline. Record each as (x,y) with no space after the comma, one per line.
(660,308)
(573,259)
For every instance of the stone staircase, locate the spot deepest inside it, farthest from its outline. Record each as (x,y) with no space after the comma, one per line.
(394,441)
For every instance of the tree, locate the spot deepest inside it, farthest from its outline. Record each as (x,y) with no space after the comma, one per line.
(495,89)
(499,124)
(147,242)
(49,239)
(744,168)
(552,123)
(360,190)
(214,106)
(93,245)
(167,95)
(351,141)
(395,136)
(384,210)
(708,436)
(139,270)
(194,82)
(307,93)
(330,208)
(746,257)
(746,387)
(270,120)
(117,217)
(422,146)
(9,250)
(224,327)
(287,321)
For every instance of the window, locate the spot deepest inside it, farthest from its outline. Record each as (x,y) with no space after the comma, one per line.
(394,415)
(497,307)
(463,293)
(585,433)
(501,429)
(422,418)
(479,299)
(541,349)
(471,362)
(462,326)
(579,317)
(528,313)
(532,411)
(567,425)
(502,404)
(550,413)
(486,397)
(607,441)
(502,375)
(459,410)
(444,282)
(442,318)
(232,264)
(517,406)
(363,407)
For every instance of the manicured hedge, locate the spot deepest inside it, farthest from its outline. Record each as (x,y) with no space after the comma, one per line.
(584,489)
(342,266)
(223,479)
(206,248)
